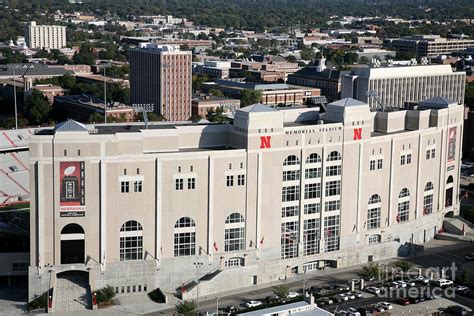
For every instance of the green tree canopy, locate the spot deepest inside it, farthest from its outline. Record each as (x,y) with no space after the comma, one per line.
(187,308)
(248,97)
(38,108)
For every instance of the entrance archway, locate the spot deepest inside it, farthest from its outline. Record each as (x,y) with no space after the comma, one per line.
(72,244)
(449,192)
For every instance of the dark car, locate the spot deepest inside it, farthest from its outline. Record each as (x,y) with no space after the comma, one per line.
(457,310)
(403,301)
(469,257)
(231,309)
(414,300)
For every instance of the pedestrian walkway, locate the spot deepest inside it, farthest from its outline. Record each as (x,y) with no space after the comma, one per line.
(71,293)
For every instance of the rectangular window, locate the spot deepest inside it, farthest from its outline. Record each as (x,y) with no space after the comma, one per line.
(312,208)
(65,152)
(428,154)
(291,175)
(403,211)
(290,193)
(241,179)
(234,239)
(125,187)
(78,152)
(179,184)
(312,190)
(402,160)
(372,165)
(331,233)
(332,206)
(289,211)
(230,181)
(333,188)
(289,239)
(433,153)
(379,164)
(184,244)
(191,183)
(137,186)
(311,236)
(131,248)
(408,159)
(333,171)
(312,173)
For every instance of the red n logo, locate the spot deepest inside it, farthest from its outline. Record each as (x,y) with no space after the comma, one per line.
(265,142)
(357,133)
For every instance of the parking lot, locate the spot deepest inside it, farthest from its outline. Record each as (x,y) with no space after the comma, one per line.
(438,253)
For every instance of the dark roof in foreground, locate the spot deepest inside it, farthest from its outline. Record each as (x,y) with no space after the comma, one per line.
(312,73)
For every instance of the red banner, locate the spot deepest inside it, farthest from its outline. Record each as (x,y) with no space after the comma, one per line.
(72,191)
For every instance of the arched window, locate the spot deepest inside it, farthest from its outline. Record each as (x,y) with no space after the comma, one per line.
(291,161)
(234,232)
(403,205)
(428,199)
(374,212)
(72,229)
(313,158)
(333,156)
(184,237)
(131,241)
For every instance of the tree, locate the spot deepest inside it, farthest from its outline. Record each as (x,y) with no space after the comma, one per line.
(9,122)
(186,308)
(248,97)
(96,118)
(465,277)
(469,98)
(105,294)
(371,270)
(38,108)
(281,291)
(216,115)
(403,265)
(216,92)
(307,54)
(350,58)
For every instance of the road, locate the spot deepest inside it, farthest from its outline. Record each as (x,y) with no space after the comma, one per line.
(435,259)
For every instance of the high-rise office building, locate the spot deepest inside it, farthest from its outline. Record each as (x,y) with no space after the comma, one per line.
(45,36)
(162,75)
(397,85)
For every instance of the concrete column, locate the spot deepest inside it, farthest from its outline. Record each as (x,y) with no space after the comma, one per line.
(158,211)
(210,215)
(362,284)
(103,229)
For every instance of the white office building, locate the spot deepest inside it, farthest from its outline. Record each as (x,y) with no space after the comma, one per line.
(45,36)
(397,85)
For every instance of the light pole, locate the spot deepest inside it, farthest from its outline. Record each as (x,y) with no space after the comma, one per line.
(14,96)
(197,265)
(304,287)
(217,305)
(105,97)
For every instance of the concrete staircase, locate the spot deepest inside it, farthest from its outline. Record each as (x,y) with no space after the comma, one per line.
(72,293)
(456,226)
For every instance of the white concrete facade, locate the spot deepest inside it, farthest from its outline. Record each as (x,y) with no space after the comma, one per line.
(45,36)
(275,194)
(396,85)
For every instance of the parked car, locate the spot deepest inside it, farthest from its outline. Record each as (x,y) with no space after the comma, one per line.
(469,257)
(342,312)
(326,301)
(386,305)
(356,281)
(350,295)
(443,282)
(457,310)
(414,300)
(376,308)
(460,288)
(357,294)
(231,309)
(342,297)
(253,304)
(292,295)
(403,301)
(373,290)
(353,312)
(422,280)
